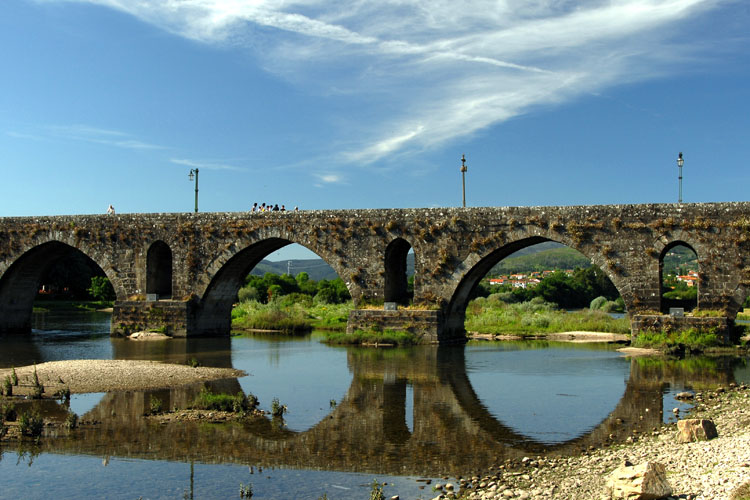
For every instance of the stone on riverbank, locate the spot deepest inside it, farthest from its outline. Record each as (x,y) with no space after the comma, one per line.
(647,481)
(696,429)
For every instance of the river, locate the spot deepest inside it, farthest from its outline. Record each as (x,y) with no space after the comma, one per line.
(400,416)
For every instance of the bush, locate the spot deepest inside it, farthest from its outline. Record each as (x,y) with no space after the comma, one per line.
(155,404)
(101,289)
(277,409)
(598,303)
(207,400)
(8,412)
(31,424)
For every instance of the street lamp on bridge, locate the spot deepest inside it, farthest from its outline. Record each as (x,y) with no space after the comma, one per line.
(463,179)
(194,171)
(680,162)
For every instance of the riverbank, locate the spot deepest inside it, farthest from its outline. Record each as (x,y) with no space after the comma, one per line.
(103,375)
(709,470)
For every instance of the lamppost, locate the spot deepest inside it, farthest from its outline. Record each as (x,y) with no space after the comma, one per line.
(680,162)
(190,176)
(463,179)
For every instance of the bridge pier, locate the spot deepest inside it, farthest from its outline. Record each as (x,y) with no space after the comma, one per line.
(430,326)
(172,317)
(644,323)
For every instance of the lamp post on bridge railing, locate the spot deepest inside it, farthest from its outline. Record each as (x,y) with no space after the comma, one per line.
(680,162)
(463,179)
(190,176)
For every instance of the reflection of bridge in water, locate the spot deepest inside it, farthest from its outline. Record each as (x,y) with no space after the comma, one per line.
(452,432)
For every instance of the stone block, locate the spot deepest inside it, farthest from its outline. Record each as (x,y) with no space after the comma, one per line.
(646,481)
(696,429)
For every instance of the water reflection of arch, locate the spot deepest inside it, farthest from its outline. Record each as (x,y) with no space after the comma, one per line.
(367,431)
(640,408)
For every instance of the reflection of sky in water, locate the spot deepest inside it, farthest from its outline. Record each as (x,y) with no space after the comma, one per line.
(305,375)
(550,395)
(63,477)
(82,403)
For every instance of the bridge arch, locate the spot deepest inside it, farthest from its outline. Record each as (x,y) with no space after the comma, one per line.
(20,282)
(159,270)
(473,269)
(227,274)
(396,282)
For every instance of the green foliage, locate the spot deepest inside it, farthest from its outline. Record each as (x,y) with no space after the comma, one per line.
(246,490)
(272,286)
(101,289)
(602,304)
(493,315)
(574,291)
(31,424)
(13,376)
(8,412)
(155,404)
(7,387)
(63,394)
(277,409)
(71,420)
(554,256)
(376,491)
(692,338)
(239,403)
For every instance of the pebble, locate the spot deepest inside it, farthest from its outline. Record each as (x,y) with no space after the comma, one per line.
(696,471)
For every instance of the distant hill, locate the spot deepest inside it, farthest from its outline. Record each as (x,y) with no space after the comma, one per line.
(541,257)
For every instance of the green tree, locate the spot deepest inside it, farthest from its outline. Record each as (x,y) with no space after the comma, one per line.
(101,289)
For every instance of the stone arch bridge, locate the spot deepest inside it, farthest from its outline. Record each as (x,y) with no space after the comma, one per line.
(181,272)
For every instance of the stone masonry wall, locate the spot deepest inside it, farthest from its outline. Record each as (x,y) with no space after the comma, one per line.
(453,247)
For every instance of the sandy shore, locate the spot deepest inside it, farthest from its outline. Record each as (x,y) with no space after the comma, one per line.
(104,375)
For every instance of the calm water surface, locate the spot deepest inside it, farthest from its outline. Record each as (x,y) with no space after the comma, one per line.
(354,415)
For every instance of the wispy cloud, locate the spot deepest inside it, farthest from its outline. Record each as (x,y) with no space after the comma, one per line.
(448,69)
(208,165)
(100,136)
(329,178)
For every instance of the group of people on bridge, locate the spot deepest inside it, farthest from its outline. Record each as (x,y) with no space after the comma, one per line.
(270,208)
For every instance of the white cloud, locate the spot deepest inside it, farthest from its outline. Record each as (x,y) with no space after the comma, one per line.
(447,68)
(100,136)
(208,165)
(329,178)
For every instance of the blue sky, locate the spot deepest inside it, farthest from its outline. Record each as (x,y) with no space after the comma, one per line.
(370,104)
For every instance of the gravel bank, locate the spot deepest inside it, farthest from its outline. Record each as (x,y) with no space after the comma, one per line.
(106,375)
(709,470)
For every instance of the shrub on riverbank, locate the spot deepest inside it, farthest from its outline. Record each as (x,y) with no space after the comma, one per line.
(296,313)
(252,315)
(239,403)
(693,339)
(492,315)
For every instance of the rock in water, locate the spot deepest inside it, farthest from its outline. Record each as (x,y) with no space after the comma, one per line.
(646,481)
(696,429)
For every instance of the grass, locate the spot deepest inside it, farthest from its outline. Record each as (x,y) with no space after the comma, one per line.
(693,338)
(238,403)
(492,315)
(289,316)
